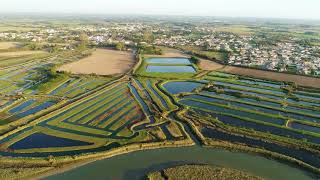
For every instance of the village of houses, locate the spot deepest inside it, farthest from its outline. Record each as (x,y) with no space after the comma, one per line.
(283,56)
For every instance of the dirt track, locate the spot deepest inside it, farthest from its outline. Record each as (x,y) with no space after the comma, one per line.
(300,80)
(169,52)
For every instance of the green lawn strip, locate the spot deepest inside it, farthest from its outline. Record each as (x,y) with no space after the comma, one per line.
(83,92)
(97,142)
(94,84)
(48,131)
(14,104)
(308,123)
(222,74)
(142,72)
(34,104)
(146,114)
(125,132)
(101,111)
(280,102)
(79,128)
(254,91)
(317,95)
(236,78)
(4,84)
(59,84)
(255,133)
(32,118)
(154,97)
(81,105)
(160,96)
(260,80)
(168,75)
(10,89)
(164,90)
(142,137)
(22,173)
(22,59)
(134,112)
(56,115)
(19,77)
(265,134)
(239,109)
(104,101)
(78,108)
(75,93)
(174,129)
(259,89)
(235,81)
(164,64)
(146,98)
(4,73)
(73,83)
(141,69)
(63,91)
(260,105)
(249,119)
(116,117)
(110,110)
(163,95)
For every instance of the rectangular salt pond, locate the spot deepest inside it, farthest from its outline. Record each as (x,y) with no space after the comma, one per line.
(169,61)
(171,69)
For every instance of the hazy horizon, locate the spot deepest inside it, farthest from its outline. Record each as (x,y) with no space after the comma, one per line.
(288,9)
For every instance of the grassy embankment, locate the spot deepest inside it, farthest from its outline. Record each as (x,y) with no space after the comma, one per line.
(200,172)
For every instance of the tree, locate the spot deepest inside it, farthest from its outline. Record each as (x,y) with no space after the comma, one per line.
(148,36)
(120,46)
(53,49)
(195,60)
(84,40)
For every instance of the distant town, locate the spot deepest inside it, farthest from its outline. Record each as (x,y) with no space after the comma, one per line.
(271,47)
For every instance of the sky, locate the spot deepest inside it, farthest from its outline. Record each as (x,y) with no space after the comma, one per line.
(293,9)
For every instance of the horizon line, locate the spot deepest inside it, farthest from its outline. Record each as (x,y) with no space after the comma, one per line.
(168,15)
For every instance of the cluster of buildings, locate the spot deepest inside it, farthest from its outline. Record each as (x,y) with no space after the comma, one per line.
(287,56)
(244,50)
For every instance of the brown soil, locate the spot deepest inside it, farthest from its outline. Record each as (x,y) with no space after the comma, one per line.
(169,52)
(209,65)
(102,62)
(300,80)
(20,53)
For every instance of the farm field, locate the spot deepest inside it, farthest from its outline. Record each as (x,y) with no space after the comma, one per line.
(20,53)
(300,80)
(209,65)
(102,62)
(7,45)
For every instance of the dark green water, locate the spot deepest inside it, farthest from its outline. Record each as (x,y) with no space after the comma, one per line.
(135,165)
